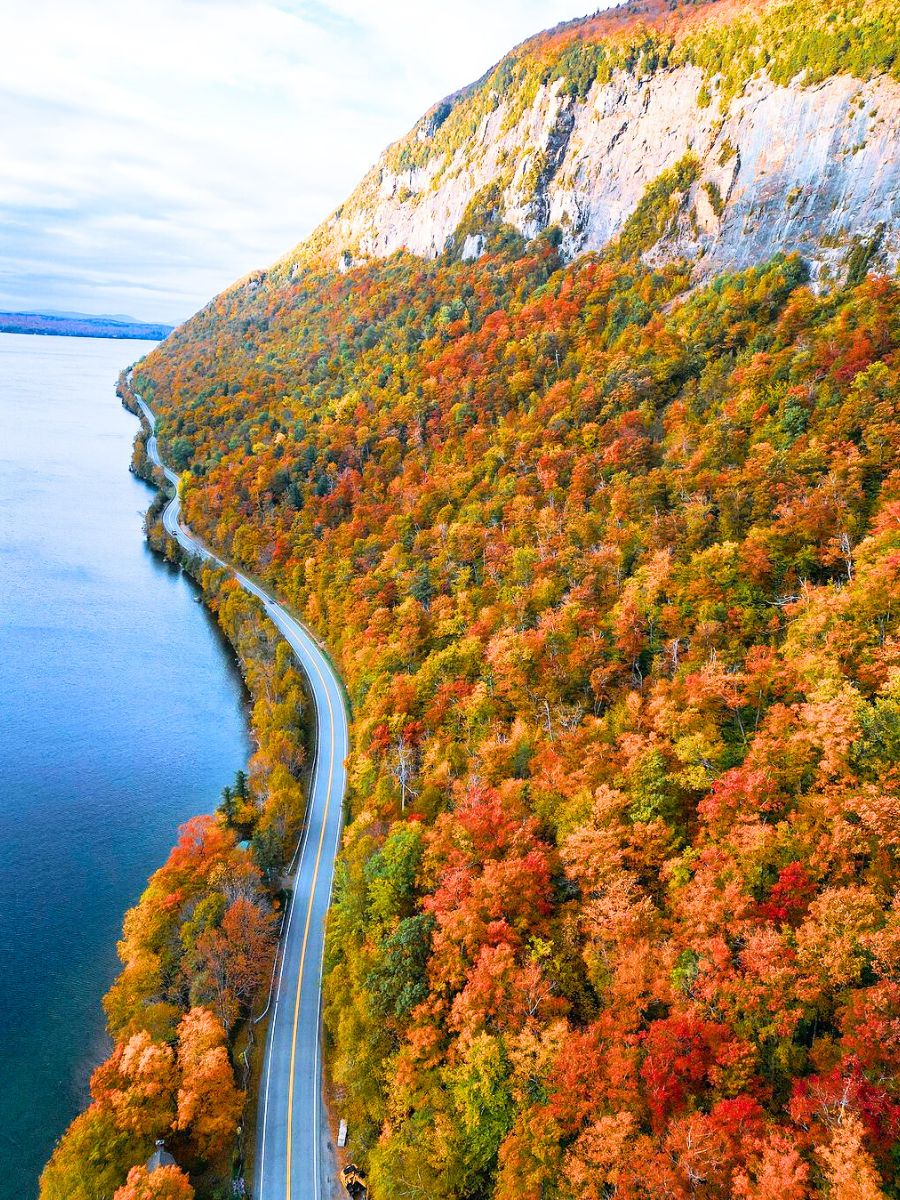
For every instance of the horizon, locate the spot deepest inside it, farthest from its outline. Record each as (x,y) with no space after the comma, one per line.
(148,183)
(72,315)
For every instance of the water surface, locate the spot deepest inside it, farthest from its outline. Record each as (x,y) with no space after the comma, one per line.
(121,715)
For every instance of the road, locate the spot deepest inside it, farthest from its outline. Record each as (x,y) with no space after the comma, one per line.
(290,1164)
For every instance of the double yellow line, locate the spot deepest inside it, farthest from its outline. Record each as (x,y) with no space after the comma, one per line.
(309,913)
(312,894)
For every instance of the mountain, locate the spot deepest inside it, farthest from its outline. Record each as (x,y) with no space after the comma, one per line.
(81,325)
(575,435)
(61,312)
(758,130)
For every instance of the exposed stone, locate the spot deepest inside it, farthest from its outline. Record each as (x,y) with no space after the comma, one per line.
(794,166)
(473,247)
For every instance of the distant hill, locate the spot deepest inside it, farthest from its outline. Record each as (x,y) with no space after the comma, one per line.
(80,325)
(64,312)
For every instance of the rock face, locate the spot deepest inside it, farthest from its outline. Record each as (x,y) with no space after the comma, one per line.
(814,169)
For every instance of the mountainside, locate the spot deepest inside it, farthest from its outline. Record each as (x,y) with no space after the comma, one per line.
(783,137)
(607,548)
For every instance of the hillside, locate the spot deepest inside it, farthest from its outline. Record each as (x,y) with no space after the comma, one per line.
(600,520)
(614,594)
(773,133)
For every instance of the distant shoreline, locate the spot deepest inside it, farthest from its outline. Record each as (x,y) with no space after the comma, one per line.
(96,327)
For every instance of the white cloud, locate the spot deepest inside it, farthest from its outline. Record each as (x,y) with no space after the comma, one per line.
(155,150)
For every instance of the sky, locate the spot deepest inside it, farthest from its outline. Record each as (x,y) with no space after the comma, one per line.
(153,151)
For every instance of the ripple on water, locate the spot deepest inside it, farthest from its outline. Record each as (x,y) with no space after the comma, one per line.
(121,715)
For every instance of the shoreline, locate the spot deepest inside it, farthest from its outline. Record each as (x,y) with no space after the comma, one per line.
(41,325)
(167,548)
(192,561)
(110,757)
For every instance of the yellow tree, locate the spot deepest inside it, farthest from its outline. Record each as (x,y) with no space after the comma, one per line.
(849,1168)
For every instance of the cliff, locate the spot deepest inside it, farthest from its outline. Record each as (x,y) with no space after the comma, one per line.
(786,143)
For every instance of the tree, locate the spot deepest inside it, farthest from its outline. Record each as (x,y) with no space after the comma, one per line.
(595,1162)
(404,758)
(209,1102)
(482,1099)
(91,1158)
(267,846)
(679,1054)
(137,1086)
(228,806)
(849,1169)
(776,1171)
(165,1183)
(234,959)
(398,981)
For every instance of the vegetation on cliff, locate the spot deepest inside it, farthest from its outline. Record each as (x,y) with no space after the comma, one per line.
(530,102)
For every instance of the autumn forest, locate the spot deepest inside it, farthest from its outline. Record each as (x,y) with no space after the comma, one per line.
(613,587)
(609,560)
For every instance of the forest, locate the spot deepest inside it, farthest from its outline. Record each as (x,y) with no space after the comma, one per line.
(610,567)
(610,564)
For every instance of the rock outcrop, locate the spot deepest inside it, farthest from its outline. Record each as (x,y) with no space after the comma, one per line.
(813,168)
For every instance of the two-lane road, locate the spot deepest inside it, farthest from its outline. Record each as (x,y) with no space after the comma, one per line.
(288,1161)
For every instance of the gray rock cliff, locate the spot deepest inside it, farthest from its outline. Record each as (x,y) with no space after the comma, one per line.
(809,168)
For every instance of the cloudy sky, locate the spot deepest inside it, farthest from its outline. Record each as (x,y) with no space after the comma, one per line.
(154,150)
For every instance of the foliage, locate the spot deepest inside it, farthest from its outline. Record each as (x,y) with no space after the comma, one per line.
(611,577)
(209,1104)
(790,39)
(715,199)
(808,40)
(165,1183)
(861,256)
(610,570)
(658,207)
(92,1158)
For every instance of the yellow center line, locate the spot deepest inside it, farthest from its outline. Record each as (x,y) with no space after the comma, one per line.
(309,912)
(312,893)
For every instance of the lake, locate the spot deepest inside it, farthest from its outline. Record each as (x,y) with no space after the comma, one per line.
(121,715)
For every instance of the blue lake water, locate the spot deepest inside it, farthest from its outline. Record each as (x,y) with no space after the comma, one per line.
(121,715)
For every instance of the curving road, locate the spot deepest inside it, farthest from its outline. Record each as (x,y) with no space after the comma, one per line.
(289,1162)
